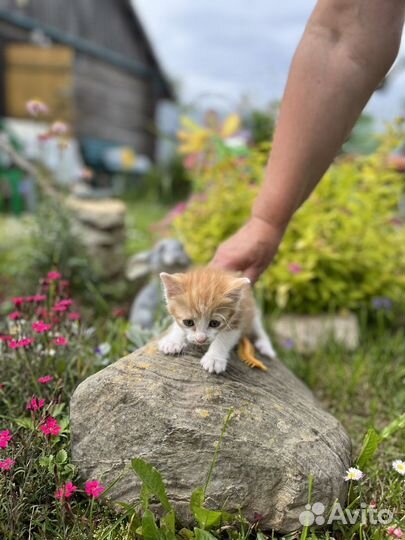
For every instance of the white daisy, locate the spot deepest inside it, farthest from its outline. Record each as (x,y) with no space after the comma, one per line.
(399,466)
(353,474)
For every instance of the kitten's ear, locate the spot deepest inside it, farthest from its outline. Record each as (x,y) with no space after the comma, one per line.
(236,287)
(172,284)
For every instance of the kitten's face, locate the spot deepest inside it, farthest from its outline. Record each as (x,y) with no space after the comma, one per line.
(204,302)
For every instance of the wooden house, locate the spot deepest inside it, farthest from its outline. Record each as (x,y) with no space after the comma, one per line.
(90,61)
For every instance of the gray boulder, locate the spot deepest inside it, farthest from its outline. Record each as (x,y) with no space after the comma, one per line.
(170,412)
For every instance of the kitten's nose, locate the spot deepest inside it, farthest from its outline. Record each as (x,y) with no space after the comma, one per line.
(201,338)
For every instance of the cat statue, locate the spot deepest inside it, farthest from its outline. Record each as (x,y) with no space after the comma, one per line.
(168,255)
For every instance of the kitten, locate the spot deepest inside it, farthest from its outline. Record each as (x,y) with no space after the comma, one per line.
(215,307)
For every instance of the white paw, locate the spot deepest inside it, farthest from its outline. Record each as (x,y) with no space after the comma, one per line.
(265,348)
(168,345)
(213,364)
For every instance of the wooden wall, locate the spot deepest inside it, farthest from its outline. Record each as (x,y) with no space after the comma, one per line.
(114,105)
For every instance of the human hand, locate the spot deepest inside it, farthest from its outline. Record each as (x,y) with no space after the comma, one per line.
(251,249)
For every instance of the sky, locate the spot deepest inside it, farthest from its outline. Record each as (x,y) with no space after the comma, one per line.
(219,51)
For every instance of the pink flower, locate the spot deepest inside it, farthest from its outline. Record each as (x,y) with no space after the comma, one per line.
(5,438)
(74,316)
(59,128)
(5,338)
(65,491)
(45,379)
(18,343)
(53,276)
(18,301)
(39,298)
(40,327)
(35,404)
(65,302)
(36,107)
(15,315)
(93,488)
(60,341)
(295,268)
(26,342)
(395,532)
(6,464)
(60,307)
(50,426)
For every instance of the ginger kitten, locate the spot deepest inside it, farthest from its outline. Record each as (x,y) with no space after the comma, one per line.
(215,307)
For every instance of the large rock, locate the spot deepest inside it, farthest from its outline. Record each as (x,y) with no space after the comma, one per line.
(170,412)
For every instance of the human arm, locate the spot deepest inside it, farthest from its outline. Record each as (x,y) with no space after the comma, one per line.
(347,48)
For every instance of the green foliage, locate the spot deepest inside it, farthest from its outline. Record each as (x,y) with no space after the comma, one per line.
(343,248)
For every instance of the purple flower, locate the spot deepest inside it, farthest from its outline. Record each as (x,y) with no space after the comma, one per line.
(382,303)
(287,344)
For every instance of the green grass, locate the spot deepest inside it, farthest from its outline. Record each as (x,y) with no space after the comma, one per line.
(141,216)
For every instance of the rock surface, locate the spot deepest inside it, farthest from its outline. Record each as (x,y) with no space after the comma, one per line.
(307,333)
(100,225)
(170,412)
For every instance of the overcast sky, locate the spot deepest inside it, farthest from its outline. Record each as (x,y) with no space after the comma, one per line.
(238,48)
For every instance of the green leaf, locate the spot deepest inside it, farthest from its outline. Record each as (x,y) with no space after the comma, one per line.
(169,521)
(200,534)
(152,480)
(186,533)
(61,457)
(207,519)
(150,530)
(24,422)
(372,441)
(393,427)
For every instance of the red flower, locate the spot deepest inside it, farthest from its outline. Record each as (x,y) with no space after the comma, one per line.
(53,276)
(18,301)
(40,327)
(5,438)
(6,464)
(93,488)
(74,316)
(35,404)
(50,426)
(15,315)
(118,312)
(65,491)
(45,379)
(60,341)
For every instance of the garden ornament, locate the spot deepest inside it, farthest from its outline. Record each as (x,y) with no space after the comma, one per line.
(169,256)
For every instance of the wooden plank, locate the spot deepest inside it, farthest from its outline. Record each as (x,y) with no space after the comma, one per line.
(43,73)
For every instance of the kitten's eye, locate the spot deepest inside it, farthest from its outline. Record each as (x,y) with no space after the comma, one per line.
(214,324)
(188,322)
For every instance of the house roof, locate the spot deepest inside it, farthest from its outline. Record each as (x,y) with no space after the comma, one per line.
(166,85)
(153,71)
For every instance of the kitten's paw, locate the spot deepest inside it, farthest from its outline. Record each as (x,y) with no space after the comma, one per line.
(168,345)
(265,348)
(213,364)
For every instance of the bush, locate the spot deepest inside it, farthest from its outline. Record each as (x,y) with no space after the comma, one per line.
(343,249)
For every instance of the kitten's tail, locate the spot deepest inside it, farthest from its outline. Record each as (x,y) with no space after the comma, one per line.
(246,354)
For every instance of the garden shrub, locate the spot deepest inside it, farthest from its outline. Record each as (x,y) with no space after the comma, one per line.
(343,249)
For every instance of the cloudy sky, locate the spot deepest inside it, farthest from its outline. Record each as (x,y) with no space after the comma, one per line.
(223,50)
